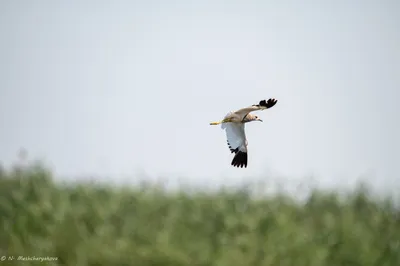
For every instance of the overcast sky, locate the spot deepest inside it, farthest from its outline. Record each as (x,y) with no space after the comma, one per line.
(113,88)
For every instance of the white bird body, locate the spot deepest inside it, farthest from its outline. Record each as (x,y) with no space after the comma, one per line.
(234,125)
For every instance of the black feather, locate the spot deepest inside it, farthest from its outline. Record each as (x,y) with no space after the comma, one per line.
(231,149)
(268,104)
(240,159)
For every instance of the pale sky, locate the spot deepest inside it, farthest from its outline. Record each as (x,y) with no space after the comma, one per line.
(117,88)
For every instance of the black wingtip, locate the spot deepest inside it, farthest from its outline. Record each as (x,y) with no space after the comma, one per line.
(268,104)
(240,160)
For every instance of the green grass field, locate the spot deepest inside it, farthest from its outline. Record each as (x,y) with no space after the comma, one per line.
(89,224)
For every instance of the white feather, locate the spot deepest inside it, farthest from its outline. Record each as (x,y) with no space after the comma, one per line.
(236,136)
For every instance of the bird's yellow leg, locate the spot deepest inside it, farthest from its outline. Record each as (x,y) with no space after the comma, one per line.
(226,120)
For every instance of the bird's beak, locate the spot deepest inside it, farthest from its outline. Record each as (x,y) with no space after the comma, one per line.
(260,120)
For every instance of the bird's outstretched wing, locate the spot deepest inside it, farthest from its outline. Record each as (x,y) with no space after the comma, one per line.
(236,138)
(263,104)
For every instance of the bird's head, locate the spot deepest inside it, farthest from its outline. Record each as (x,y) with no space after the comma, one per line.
(256,118)
(250,118)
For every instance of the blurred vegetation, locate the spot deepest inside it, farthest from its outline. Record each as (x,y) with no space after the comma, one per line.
(93,224)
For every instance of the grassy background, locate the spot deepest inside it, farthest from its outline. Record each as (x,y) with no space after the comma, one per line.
(92,224)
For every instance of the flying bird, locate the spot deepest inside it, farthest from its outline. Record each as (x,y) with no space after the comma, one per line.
(233,124)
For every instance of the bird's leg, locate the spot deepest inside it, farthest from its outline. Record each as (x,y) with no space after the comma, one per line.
(226,120)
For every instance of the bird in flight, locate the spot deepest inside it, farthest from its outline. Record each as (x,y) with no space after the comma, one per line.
(233,124)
